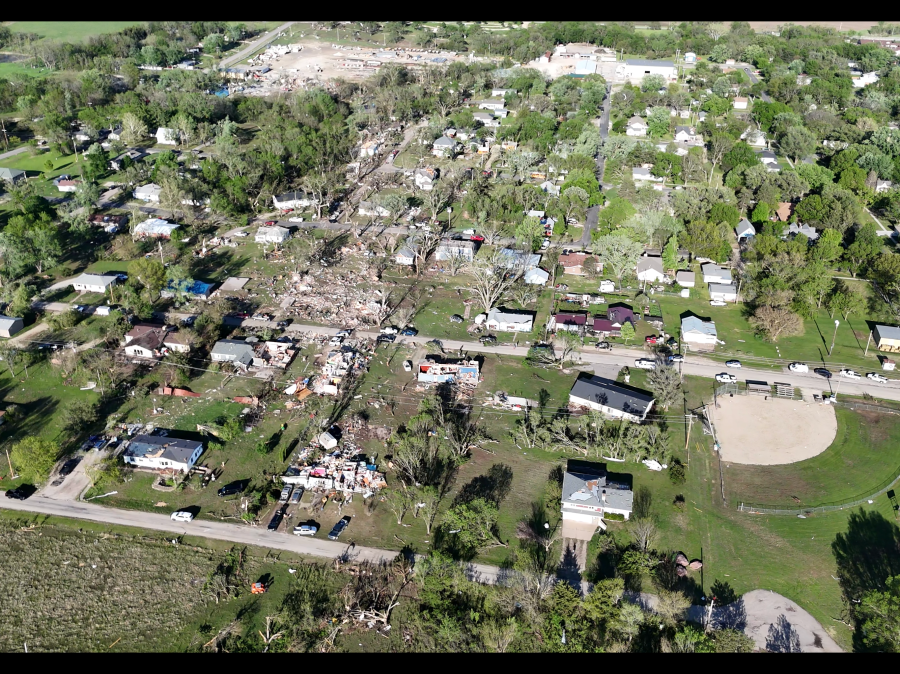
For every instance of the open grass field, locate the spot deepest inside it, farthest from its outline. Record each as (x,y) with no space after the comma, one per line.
(70,31)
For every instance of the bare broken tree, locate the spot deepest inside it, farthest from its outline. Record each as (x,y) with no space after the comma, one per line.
(455,262)
(375,590)
(425,245)
(492,276)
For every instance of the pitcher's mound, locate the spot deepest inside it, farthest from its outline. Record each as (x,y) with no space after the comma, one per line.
(753,430)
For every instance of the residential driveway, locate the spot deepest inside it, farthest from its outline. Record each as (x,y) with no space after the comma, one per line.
(29,335)
(74,484)
(13,153)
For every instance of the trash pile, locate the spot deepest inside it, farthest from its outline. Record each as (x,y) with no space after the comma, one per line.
(333,298)
(273,52)
(343,469)
(500,400)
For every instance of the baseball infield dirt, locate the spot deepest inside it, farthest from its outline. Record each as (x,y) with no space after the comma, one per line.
(760,431)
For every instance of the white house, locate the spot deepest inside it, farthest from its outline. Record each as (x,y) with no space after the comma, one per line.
(722,293)
(550,188)
(864,79)
(638,174)
(688,134)
(587,495)
(509,321)
(739,103)
(155,228)
(768,157)
(291,200)
(486,118)
(451,248)
(883,185)
(232,351)
(371,208)
(10,326)
(610,398)
(425,177)
(698,332)
(407,255)
(165,136)
(149,193)
(690,57)
(495,93)
(536,277)
(636,127)
(650,269)
(685,279)
(492,104)
(638,68)
(274,234)
(444,147)
(713,273)
(162,453)
(66,184)
(93,283)
(745,229)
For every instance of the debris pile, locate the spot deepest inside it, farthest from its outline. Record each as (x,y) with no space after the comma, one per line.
(344,469)
(334,298)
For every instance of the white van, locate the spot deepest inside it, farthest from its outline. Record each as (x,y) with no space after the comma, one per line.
(182,516)
(645,364)
(798,367)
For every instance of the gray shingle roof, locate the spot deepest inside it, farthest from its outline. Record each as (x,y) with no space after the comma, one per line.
(646,62)
(586,483)
(174,449)
(692,323)
(611,394)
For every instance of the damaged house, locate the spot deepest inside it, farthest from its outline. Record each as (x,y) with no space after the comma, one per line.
(232,351)
(274,354)
(162,453)
(458,372)
(146,340)
(588,493)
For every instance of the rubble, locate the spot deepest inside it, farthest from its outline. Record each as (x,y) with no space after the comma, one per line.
(343,470)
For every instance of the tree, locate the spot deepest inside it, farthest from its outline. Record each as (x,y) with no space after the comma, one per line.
(214,43)
(400,501)
(529,233)
(865,247)
(670,253)
(80,414)
(150,272)
(658,121)
(87,194)
(665,383)
(653,83)
(468,527)
(740,154)
(627,331)
(573,203)
(878,617)
(828,247)
(133,129)
(732,641)
(775,322)
(34,457)
(618,251)
(719,145)
(492,278)
(671,606)
(816,176)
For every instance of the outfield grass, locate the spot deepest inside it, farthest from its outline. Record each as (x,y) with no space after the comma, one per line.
(71,31)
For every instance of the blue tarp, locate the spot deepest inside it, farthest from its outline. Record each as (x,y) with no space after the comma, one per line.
(222,93)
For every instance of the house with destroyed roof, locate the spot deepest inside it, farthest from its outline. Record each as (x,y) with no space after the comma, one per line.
(147,340)
(157,452)
(433,371)
(589,493)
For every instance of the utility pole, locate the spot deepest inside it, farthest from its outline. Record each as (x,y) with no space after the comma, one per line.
(833,337)
(868,341)
(161,258)
(690,418)
(12,473)
(709,613)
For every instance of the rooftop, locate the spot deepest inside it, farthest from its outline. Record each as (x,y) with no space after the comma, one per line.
(888,332)
(586,483)
(695,324)
(612,394)
(155,446)
(646,62)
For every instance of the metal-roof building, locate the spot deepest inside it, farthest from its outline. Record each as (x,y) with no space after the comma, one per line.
(611,398)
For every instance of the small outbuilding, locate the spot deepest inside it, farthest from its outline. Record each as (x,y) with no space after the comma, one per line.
(10,326)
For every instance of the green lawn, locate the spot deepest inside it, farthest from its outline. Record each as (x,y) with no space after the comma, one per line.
(70,31)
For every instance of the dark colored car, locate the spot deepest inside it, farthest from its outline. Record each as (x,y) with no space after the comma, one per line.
(822,372)
(338,528)
(409,332)
(487,339)
(604,345)
(456,318)
(232,488)
(22,492)
(276,519)
(386,338)
(69,466)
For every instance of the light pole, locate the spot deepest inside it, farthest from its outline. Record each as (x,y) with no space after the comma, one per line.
(836,324)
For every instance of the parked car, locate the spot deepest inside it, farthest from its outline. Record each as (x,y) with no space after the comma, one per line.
(276,520)
(716,303)
(546,244)
(407,366)
(672,343)
(338,528)
(487,339)
(306,530)
(182,516)
(645,364)
(850,374)
(726,378)
(456,318)
(874,376)
(676,358)
(822,372)
(69,466)
(477,238)
(296,495)
(651,339)
(732,363)
(122,277)
(285,494)
(604,346)
(389,330)
(386,339)
(271,223)
(409,332)
(342,333)
(335,341)
(231,489)
(798,367)
(20,493)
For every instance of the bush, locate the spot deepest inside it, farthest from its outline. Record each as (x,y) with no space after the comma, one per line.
(677,472)
(678,503)
(614,517)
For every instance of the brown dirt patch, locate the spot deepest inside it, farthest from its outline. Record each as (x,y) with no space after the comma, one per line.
(837,25)
(768,431)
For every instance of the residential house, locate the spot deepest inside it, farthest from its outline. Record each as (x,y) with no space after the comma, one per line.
(510,258)
(636,127)
(293,200)
(452,248)
(11,176)
(431,371)
(492,104)
(274,355)
(407,255)
(502,113)
(162,453)
(536,277)
(425,177)
(573,321)
(500,93)
(10,326)
(745,229)
(66,184)
(508,145)
(371,208)
(369,148)
(807,231)
(232,351)
(133,155)
(154,228)
(603,327)
(887,338)
(93,283)
(165,136)
(688,134)
(767,157)
(503,320)
(620,313)
(147,341)
(588,494)
(115,133)
(650,269)
(698,333)
(444,147)
(549,187)
(610,398)
(713,273)
(739,103)
(273,234)
(639,174)
(485,118)
(149,193)
(722,292)
(685,278)
(754,137)
(702,115)
(784,211)
(864,79)
(883,186)
(573,263)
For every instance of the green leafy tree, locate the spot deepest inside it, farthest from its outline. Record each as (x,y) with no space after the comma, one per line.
(878,616)
(150,272)
(34,457)
(470,526)
(760,214)
(732,641)
(627,331)
(658,122)
(529,233)
(816,176)
(618,251)
(670,253)
(740,155)
(828,247)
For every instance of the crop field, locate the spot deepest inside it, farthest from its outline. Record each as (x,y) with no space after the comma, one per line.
(70,31)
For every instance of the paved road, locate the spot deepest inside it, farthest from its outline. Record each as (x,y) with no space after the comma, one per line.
(13,153)
(591,217)
(388,165)
(754,79)
(254,46)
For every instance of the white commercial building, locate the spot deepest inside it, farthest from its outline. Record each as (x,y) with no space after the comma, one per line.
(636,69)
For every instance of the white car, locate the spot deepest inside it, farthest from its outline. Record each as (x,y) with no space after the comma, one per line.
(726,378)
(295,219)
(407,366)
(389,330)
(645,364)
(241,235)
(546,244)
(716,303)
(874,376)
(798,367)
(732,363)
(182,516)
(850,374)
(342,333)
